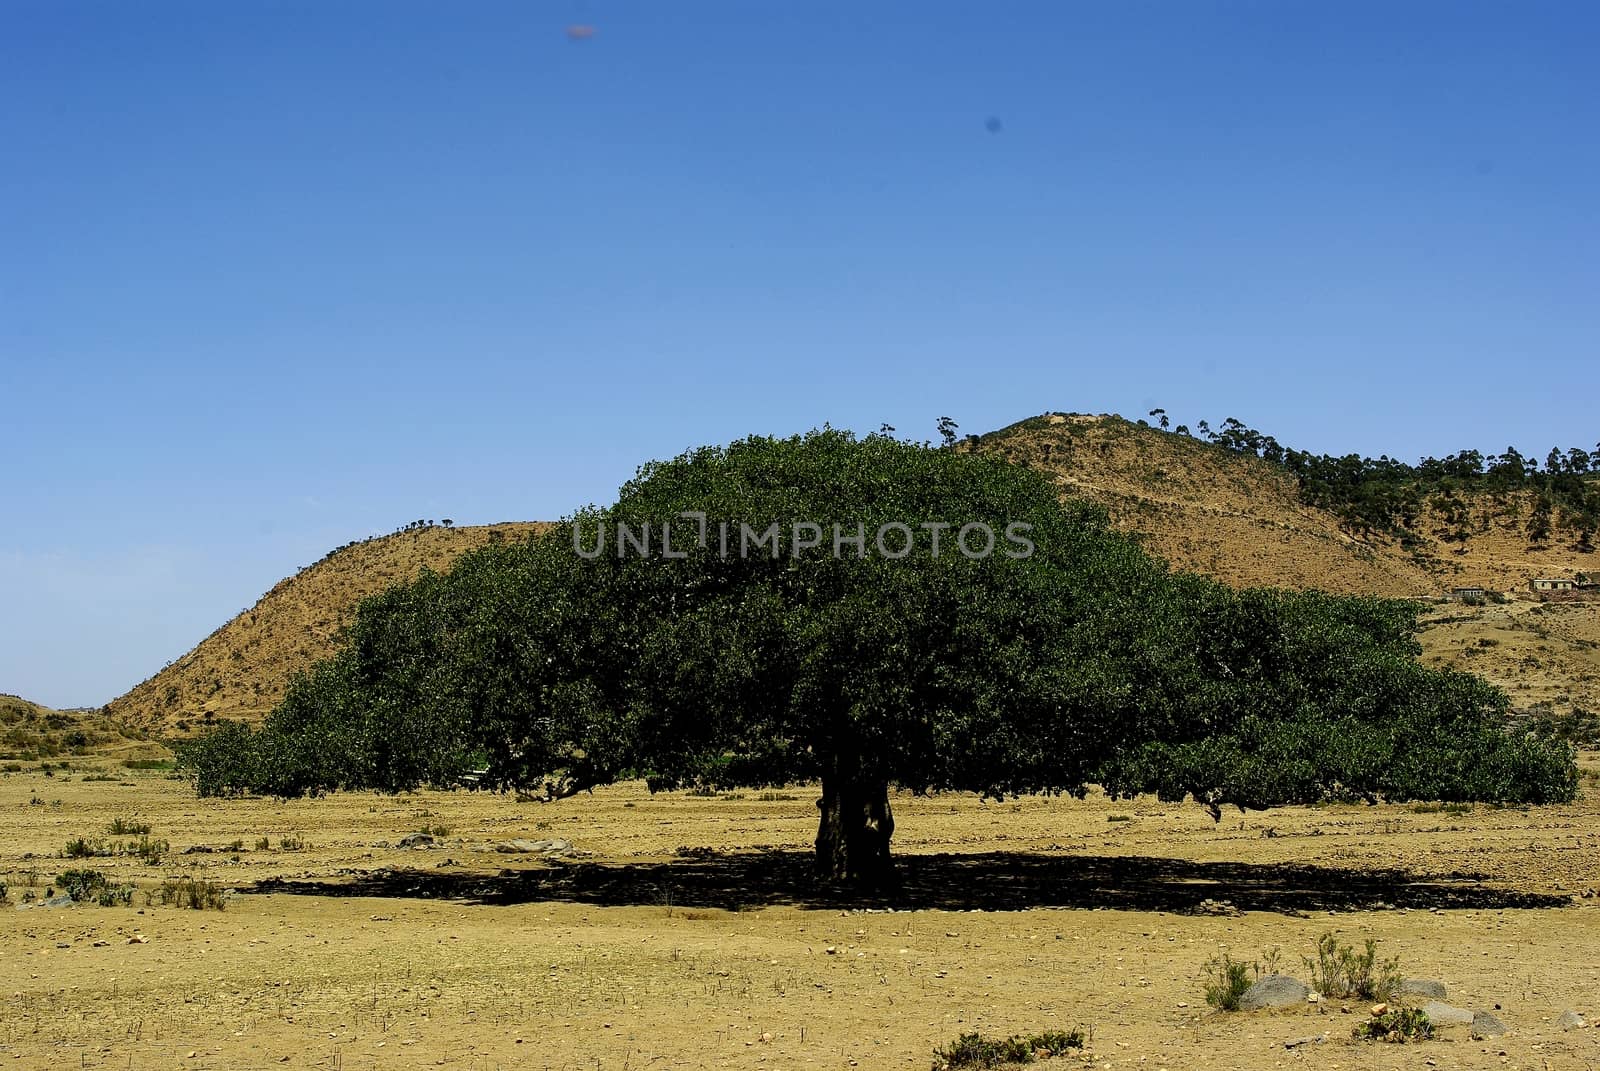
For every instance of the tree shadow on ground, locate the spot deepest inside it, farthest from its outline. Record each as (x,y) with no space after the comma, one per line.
(990,881)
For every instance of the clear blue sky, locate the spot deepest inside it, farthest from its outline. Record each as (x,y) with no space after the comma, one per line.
(277,276)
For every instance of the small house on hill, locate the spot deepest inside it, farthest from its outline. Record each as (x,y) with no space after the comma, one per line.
(1547,583)
(1467,593)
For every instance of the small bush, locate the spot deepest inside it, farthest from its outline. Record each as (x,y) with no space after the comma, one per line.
(83,848)
(189,893)
(150,851)
(1397,1026)
(432,831)
(127,827)
(263,844)
(1226,981)
(291,844)
(976,1051)
(1119,818)
(147,764)
(91,886)
(1340,971)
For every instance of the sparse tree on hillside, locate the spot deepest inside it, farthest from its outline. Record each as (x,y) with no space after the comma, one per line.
(1161,418)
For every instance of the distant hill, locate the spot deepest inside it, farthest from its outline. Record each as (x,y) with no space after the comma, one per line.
(30,732)
(241,669)
(1203,507)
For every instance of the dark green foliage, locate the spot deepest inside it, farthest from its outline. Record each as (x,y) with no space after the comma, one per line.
(976,1051)
(1084,662)
(1396,1025)
(224,761)
(127,827)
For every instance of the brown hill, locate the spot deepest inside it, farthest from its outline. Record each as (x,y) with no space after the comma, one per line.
(241,669)
(1240,519)
(1206,510)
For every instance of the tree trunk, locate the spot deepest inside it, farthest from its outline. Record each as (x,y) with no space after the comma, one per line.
(853,833)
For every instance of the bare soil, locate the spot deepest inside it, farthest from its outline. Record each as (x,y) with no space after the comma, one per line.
(686,932)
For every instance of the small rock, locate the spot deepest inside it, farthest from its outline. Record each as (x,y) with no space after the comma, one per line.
(1571,1020)
(1314,1039)
(1423,987)
(1313,998)
(1441,1014)
(1379,1009)
(138,939)
(1223,908)
(1274,991)
(1485,1025)
(416,840)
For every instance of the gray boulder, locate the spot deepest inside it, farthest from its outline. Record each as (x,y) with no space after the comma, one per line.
(1274,991)
(1423,987)
(1570,1020)
(1442,1014)
(1485,1025)
(416,840)
(547,848)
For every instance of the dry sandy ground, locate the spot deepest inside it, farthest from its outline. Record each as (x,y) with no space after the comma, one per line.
(650,952)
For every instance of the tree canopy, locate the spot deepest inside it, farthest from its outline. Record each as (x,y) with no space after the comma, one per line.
(817,608)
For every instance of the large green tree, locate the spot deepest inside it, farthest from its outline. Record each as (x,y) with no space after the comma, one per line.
(869,613)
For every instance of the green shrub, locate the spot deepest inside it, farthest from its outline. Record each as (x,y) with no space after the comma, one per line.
(1227,979)
(1396,1025)
(189,892)
(150,851)
(83,848)
(127,827)
(85,886)
(976,1051)
(1340,971)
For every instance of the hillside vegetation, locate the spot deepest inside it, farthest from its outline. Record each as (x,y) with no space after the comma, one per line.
(243,668)
(33,733)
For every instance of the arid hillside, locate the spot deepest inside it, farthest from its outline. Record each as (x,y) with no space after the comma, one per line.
(1205,510)
(242,669)
(1241,519)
